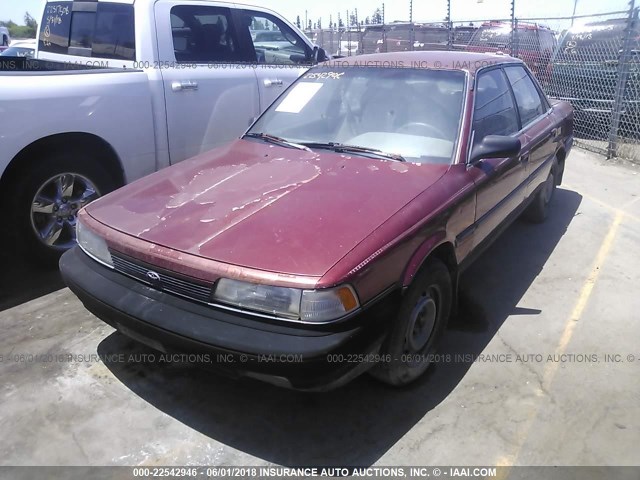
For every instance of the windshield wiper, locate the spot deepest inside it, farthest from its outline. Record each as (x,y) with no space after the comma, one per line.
(276,140)
(342,148)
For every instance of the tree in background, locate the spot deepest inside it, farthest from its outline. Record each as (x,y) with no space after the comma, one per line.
(28,30)
(320,23)
(377,16)
(309,25)
(298,21)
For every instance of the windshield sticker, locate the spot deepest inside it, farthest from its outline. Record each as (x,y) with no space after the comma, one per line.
(324,75)
(298,97)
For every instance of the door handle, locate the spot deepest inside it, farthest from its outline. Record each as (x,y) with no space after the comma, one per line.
(184,85)
(275,82)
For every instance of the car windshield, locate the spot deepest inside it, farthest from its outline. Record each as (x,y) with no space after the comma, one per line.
(412,113)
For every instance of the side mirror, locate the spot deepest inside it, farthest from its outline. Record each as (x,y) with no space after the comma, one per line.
(319,55)
(495,146)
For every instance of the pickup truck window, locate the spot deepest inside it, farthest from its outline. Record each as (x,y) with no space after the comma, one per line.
(203,34)
(527,96)
(105,31)
(274,42)
(495,113)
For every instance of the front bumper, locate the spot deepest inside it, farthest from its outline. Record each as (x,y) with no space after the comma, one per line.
(297,356)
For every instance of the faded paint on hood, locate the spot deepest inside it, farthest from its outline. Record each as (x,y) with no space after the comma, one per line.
(265,207)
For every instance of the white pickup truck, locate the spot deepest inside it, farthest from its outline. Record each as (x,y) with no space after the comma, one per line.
(122,88)
(5,39)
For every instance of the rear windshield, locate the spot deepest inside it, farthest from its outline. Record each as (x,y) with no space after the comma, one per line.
(500,37)
(89,29)
(593,43)
(431,35)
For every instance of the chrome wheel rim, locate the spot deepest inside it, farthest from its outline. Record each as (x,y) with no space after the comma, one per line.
(422,321)
(55,206)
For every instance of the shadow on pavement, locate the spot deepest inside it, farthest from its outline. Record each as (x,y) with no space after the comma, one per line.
(358,423)
(22,281)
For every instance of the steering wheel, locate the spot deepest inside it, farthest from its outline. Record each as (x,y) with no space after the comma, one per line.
(430,128)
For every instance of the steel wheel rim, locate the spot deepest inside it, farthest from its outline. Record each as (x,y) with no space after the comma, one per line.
(422,321)
(55,206)
(548,189)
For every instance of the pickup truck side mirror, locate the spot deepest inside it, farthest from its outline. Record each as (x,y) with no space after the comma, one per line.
(319,55)
(495,146)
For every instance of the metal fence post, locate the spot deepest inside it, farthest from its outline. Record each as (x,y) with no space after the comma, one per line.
(515,40)
(621,82)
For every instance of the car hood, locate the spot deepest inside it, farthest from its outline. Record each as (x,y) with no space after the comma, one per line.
(265,207)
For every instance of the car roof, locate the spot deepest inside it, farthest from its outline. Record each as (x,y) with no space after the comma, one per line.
(443,60)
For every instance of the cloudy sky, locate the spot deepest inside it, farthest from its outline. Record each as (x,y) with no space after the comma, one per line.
(423,10)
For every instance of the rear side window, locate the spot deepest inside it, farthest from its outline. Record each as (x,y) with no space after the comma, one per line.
(494,113)
(527,95)
(91,29)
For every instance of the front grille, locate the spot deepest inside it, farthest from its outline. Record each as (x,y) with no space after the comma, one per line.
(162,280)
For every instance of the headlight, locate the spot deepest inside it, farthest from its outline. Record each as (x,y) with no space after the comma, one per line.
(93,245)
(291,303)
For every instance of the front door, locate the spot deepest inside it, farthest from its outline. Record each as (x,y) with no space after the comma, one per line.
(211,94)
(499,181)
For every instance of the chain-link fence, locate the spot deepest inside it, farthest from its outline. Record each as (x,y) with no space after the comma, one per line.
(592,61)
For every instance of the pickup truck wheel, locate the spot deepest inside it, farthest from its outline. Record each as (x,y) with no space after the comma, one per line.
(538,211)
(48,201)
(421,322)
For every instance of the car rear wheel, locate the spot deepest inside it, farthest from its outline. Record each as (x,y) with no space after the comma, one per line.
(538,210)
(416,332)
(47,199)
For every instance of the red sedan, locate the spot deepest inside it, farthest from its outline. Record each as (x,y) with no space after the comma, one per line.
(329,239)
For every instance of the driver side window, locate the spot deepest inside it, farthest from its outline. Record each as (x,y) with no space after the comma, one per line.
(494,113)
(274,42)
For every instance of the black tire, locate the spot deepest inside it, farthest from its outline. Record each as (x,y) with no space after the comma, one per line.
(538,210)
(22,191)
(5,41)
(409,359)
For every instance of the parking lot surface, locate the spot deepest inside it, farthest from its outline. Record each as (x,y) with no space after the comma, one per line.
(540,367)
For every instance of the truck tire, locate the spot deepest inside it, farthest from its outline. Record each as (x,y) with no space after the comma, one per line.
(418,328)
(5,41)
(46,199)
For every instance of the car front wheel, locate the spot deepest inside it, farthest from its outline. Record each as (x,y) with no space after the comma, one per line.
(416,332)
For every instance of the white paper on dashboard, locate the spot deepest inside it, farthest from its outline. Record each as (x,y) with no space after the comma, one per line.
(298,97)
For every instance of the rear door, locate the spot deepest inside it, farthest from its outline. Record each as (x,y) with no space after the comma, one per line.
(277,52)
(538,134)
(211,92)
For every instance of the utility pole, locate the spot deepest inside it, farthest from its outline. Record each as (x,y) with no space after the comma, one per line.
(449,26)
(306,20)
(411,41)
(383,13)
(575,5)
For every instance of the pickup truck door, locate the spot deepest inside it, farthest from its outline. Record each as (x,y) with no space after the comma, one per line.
(278,52)
(211,93)
(499,181)
(538,134)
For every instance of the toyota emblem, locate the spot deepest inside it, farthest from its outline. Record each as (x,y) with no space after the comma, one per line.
(153,276)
